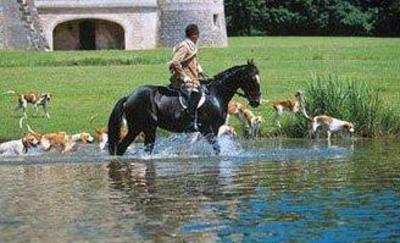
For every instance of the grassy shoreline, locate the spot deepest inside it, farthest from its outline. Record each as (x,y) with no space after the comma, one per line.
(86,83)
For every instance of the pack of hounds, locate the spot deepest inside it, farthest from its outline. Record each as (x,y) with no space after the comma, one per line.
(65,143)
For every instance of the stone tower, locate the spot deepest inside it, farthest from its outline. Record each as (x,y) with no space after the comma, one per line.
(209,15)
(19,26)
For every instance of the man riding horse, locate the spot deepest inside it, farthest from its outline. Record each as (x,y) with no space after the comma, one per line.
(150,107)
(187,72)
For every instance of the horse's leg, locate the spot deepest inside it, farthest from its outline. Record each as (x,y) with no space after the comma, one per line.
(130,137)
(149,139)
(212,139)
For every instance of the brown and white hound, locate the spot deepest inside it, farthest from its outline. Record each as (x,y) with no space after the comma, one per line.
(21,146)
(67,142)
(252,120)
(333,125)
(42,99)
(291,106)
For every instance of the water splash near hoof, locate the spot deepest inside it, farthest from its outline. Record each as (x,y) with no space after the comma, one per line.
(180,146)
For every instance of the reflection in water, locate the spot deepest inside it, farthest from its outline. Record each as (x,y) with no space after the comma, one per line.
(275,191)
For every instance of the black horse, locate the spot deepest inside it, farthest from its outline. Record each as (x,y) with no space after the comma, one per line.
(149,107)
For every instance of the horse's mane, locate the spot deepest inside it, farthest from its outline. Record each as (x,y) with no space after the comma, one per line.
(228,72)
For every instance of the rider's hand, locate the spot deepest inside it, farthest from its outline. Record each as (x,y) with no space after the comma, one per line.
(186,79)
(202,76)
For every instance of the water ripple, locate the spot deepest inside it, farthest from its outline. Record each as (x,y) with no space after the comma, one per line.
(263,190)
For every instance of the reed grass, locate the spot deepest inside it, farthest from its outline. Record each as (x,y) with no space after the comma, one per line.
(349,100)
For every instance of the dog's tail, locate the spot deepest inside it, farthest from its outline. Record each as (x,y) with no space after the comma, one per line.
(92,120)
(30,129)
(12,92)
(27,125)
(114,126)
(21,121)
(304,112)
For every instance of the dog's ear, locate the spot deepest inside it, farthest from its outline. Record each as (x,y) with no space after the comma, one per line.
(82,137)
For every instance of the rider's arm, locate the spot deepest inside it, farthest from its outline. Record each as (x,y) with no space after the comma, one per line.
(176,62)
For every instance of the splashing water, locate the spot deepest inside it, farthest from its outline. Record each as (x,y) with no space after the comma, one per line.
(180,146)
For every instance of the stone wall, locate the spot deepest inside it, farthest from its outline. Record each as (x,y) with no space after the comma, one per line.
(33,23)
(3,26)
(13,34)
(139,19)
(209,15)
(18,29)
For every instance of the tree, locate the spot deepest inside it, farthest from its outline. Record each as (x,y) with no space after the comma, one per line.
(243,15)
(388,18)
(313,17)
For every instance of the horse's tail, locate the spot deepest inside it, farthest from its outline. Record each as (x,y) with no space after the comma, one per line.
(114,126)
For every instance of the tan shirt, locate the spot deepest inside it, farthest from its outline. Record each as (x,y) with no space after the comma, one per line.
(184,63)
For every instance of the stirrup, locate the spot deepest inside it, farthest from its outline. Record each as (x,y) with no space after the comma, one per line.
(195,122)
(194,125)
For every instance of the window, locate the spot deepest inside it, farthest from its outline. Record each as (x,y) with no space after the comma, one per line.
(216,20)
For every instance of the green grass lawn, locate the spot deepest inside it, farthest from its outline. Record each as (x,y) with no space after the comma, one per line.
(88,83)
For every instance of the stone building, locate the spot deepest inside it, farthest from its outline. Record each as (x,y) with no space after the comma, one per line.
(108,24)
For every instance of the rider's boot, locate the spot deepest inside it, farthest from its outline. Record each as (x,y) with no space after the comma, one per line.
(193,102)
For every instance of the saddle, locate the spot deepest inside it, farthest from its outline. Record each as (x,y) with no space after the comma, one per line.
(183,99)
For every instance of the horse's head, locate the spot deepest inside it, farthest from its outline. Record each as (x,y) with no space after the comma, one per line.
(250,83)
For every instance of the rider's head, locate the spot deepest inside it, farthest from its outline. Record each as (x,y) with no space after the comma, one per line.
(192,32)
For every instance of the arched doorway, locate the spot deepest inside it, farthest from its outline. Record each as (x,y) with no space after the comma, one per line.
(88,34)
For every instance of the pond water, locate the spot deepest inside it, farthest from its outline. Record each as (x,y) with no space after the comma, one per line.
(264,190)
